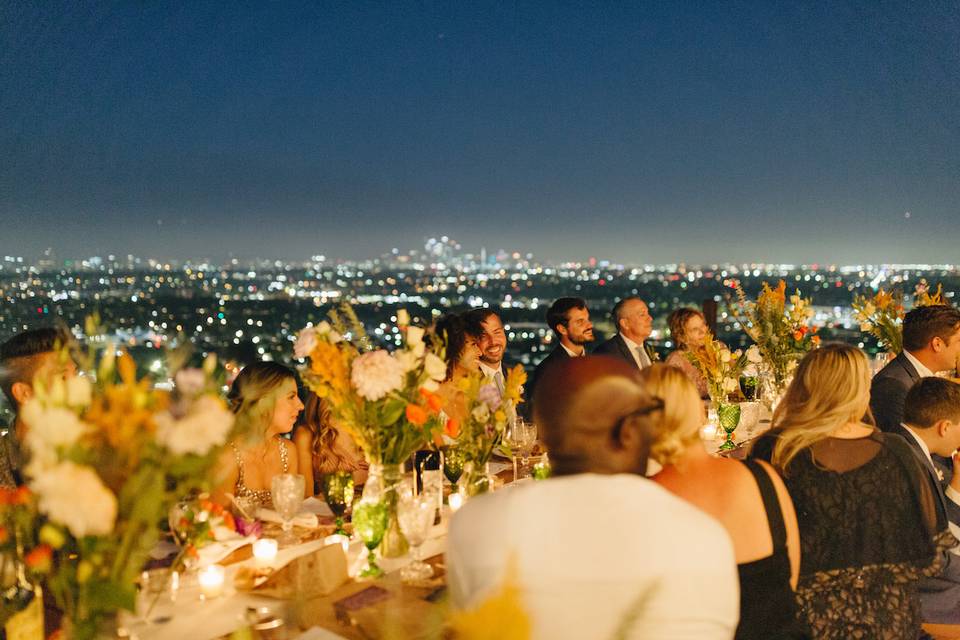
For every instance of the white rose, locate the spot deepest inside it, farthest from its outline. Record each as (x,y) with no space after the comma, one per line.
(206,425)
(375,374)
(74,496)
(79,391)
(481,413)
(750,370)
(435,367)
(430,385)
(305,344)
(403,318)
(725,356)
(730,385)
(753,355)
(50,427)
(407,359)
(414,336)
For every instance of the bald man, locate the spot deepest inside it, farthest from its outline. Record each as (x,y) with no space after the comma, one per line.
(634,324)
(598,549)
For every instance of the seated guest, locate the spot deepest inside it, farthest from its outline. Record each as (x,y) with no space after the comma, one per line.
(597,550)
(931,425)
(463,359)
(569,319)
(322,448)
(40,354)
(486,328)
(689,331)
(931,343)
(869,526)
(747,498)
(632,319)
(264,397)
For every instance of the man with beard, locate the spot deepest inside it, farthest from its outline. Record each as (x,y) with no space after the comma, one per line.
(569,319)
(485,326)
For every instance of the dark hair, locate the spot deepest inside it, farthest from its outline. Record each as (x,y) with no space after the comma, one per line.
(474,318)
(18,356)
(557,313)
(923,324)
(618,310)
(931,400)
(449,332)
(678,323)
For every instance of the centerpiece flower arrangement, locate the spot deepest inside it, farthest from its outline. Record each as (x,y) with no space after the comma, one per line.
(385,401)
(721,368)
(882,314)
(107,459)
(922,296)
(782,334)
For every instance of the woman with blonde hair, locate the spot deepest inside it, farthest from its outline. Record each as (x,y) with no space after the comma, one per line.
(264,398)
(748,498)
(689,331)
(869,527)
(322,448)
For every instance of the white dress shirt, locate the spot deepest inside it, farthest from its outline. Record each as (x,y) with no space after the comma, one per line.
(921,368)
(574,354)
(951,494)
(637,351)
(592,550)
(491,374)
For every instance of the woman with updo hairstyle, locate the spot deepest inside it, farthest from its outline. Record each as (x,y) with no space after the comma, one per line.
(265,400)
(870,528)
(322,448)
(462,355)
(689,331)
(748,498)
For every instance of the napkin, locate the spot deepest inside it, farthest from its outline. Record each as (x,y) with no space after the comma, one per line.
(318,507)
(302,519)
(217,551)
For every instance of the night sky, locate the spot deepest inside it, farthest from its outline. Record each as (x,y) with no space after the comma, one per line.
(800,132)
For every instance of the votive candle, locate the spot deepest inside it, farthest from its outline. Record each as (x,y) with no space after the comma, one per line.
(211,580)
(265,552)
(455,500)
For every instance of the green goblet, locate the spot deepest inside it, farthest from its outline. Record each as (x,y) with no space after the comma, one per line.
(370,523)
(337,488)
(728,415)
(453,460)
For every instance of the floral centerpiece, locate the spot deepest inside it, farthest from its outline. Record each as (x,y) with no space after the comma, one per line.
(922,296)
(107,459)
(488,415)
(719,366)
(882,317)
(782,334)
(384,400)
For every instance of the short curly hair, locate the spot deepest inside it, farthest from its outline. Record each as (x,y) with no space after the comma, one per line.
(678,322)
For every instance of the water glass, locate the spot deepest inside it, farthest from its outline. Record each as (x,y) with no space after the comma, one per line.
(521,437)
(337,488)
(416,514)
(286,489)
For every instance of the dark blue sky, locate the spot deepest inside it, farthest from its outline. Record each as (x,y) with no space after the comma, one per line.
(653,132)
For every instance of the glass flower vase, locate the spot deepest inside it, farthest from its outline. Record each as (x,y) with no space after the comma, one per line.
(383,483)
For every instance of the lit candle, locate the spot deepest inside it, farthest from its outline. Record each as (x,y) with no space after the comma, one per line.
(264,552)
(455,500)
(338,538)
(211,581)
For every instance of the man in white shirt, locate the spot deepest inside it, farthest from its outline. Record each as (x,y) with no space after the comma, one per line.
(931,426)
(485,326)
(931,343)
(632,318)
(598,550)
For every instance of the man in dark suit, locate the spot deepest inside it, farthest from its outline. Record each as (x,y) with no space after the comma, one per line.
(569,319)
(632,319)
(931,426)
(931,343)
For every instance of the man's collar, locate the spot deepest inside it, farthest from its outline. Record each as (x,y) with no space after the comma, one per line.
(489,371)
(923,445)
(630,343)
(922,370)
(574,354)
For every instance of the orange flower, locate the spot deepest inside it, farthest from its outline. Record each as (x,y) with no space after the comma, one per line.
(416,414)
(228,521)
(40,558)
(815,340)
(433,400)
(452,428)
(798,335)
(22,496)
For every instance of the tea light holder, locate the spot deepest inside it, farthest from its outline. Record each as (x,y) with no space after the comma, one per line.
(265,553)
(211,581)
(455,500)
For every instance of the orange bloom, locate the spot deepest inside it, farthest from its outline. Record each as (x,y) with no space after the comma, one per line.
(22,496)
(416,414)
(798,335)
(228,521)
(815,340)
(40,559)
(452,428)
(433,400)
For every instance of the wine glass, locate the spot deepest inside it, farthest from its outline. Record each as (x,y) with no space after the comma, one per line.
(370,523)
(521,437)
(337,488)
(415,514)
(728,415)
(453,460)
(286,489)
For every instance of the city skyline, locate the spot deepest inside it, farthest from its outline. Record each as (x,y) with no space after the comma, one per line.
(699,133)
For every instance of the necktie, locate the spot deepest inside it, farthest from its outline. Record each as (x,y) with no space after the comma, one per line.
(644,358)
(498,377)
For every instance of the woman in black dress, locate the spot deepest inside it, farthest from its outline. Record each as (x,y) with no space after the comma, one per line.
(869,527)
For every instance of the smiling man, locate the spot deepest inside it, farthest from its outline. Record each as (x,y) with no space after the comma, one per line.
(486,327)
(569,319)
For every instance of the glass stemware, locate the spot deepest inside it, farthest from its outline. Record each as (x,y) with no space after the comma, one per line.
(286,489)
(337,488)
(370,523)
(416,517)
(521,437)
(453,460)
(728,415)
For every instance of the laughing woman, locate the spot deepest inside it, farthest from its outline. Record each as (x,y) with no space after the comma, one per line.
(264,397)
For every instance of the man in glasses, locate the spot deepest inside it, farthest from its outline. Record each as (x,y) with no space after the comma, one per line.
(597,550)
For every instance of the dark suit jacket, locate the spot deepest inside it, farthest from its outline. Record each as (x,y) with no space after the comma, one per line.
(888,391)
(617,348)
(557,355)
(940,595)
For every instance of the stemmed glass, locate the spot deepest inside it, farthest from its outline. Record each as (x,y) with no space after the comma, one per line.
(286,489)
(453,460)
(416,517)
(337,488)
(370,523)
(521,437)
